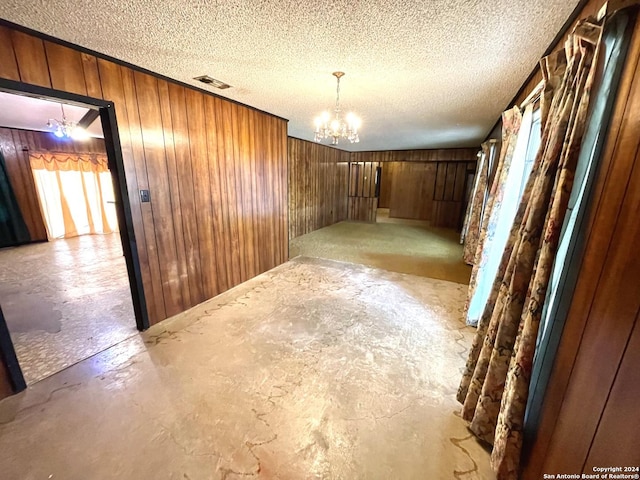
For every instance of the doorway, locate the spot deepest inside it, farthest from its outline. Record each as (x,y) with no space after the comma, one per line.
(71,287)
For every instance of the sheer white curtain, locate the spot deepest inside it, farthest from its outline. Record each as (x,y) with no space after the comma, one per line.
(75,192)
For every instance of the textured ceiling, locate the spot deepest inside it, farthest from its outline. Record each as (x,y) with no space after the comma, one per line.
(420,74)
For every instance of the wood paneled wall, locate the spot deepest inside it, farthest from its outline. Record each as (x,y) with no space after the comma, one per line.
(318,177)
(590,413)
(417,184)
(433,191)
(411,187)
(363,202)
(15,145)
(216,171)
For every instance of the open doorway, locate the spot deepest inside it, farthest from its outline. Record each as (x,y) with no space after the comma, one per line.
(69,278)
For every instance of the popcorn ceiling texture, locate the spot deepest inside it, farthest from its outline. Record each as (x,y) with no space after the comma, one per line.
(421,74)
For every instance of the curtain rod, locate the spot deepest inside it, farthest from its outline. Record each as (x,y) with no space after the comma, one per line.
(534,95)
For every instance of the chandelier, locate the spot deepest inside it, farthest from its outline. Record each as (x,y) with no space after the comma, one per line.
(337,127)
(65,128)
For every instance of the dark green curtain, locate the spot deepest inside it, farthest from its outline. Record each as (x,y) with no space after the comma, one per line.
(13,230)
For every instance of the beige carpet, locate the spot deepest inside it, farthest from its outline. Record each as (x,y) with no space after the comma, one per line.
(404,248)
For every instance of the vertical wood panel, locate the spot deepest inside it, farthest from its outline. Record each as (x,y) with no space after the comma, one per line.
(182,148)
(412,190)
(235,163)
(441,178)
(65,68)
(225,119)
(354,174)
(386,183)
(616,440)
(162,213)
(113,88)
(278,134)
(215,194)
(257,201)
(274,204)
(450,181)
(140,167)
(247,172)
(366,180)
(8,64)
(181,275)
(459,183)
(263,170)
(202,192)
(31,59)
(91,75)
(318,185)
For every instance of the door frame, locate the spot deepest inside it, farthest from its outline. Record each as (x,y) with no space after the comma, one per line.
(116,167)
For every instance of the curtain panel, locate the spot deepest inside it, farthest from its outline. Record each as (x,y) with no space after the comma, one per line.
(511,122)
(75,192)
(13,229)
(475,209)
(494,386)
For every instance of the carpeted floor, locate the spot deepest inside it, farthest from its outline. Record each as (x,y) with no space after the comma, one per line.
(404,248)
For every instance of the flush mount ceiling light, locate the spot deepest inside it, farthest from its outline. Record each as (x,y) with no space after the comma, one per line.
(337,127)
(67,129)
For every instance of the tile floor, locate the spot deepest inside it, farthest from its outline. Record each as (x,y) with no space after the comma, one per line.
(315,370)
(64,301)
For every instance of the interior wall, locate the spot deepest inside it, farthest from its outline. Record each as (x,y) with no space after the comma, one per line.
(590,412)
(417,184)
(328,185)
(16,145)
(362,201)
(216,171)
(318,177)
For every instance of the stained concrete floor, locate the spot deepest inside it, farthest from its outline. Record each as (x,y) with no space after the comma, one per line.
(64,301)
(402,246)
(314,370)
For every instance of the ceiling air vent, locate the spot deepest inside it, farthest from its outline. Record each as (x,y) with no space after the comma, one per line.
(212,81)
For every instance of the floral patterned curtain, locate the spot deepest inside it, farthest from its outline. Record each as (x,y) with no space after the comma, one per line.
(475,209)
(494,387)
(511,121)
